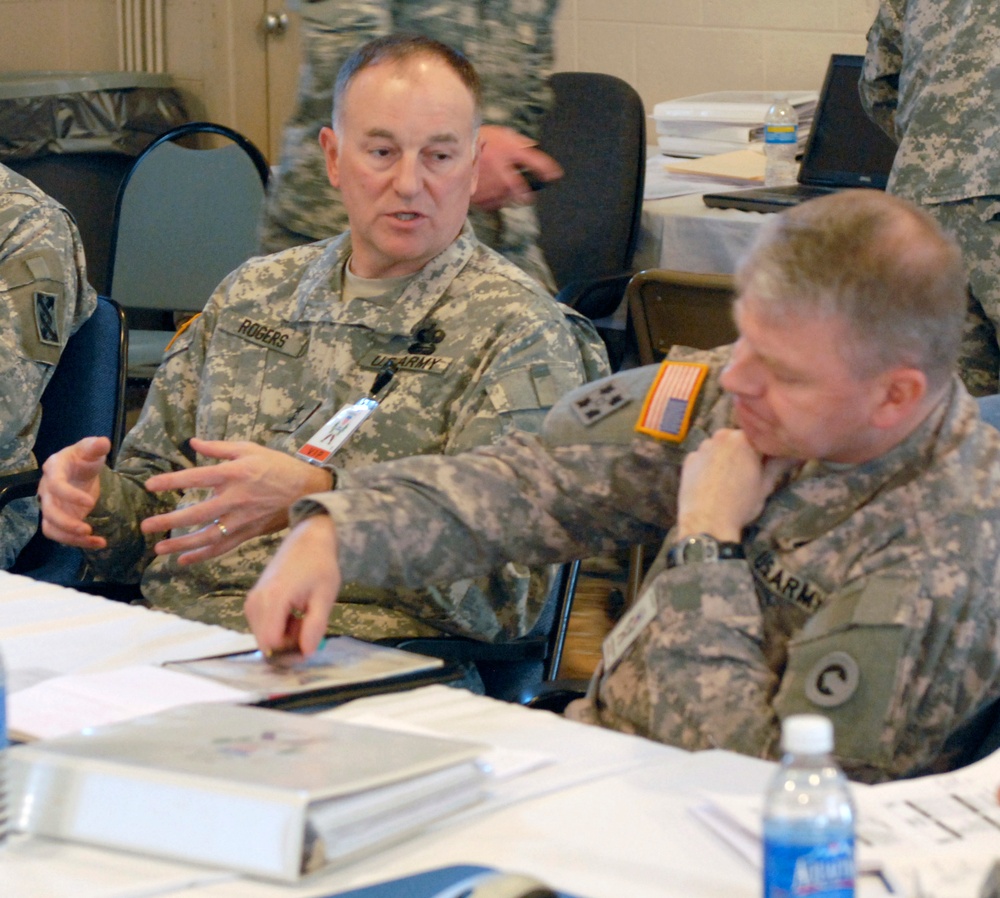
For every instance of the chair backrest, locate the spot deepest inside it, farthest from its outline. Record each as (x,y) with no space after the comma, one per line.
(677,307)
(85,397)
(184,219)
(589,219)
(512,671)
(86,394)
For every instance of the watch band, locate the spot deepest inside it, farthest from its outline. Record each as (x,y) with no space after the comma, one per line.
(702,548)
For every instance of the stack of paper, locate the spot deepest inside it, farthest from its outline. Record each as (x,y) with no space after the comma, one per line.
(931,835)
(723,121)
(737,167)
(264,792)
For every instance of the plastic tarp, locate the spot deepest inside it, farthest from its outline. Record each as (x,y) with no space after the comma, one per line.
(84,112)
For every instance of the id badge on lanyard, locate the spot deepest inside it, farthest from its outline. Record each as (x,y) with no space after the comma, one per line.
(322,445)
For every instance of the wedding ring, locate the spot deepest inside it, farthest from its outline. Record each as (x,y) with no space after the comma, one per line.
(297,613)
(222,527)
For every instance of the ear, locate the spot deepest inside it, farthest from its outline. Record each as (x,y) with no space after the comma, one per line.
(477,155)
(904,390)
(328,141)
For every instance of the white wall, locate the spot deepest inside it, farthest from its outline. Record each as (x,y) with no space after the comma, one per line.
(675,48)
(665,48)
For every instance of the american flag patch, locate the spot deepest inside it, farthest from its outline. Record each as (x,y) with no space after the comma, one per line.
(666,411)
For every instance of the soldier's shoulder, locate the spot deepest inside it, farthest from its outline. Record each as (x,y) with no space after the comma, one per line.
(488,269)
(604,411)
(21,199)
(270,278)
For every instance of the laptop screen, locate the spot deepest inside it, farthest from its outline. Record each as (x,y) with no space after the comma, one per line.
(846,148)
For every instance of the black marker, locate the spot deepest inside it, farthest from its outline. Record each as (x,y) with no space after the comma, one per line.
(384,376)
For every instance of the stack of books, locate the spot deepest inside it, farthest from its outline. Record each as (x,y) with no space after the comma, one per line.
(724,121)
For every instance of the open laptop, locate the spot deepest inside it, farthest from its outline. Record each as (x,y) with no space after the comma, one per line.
(845,149)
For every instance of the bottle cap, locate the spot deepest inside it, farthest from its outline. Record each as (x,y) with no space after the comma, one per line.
(807,734)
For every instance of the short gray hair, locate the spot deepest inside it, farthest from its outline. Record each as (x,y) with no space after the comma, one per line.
(401,48)
(877,262)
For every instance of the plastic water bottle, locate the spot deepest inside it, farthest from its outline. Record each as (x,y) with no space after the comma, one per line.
(808,817)
(781,143)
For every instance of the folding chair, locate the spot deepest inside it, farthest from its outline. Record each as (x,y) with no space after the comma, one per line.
(677,307)
(184,219)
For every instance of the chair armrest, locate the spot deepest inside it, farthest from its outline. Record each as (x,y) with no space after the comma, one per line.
(457,648)
(555,695)
(595,298)
(18,486)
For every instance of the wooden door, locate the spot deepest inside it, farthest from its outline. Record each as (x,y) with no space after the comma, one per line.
(248,66)
(281,48)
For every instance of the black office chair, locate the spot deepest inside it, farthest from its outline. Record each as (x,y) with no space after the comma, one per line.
(85,397)
(589,219)
(513,671)
(184,218)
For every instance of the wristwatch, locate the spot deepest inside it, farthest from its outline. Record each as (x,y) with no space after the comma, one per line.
(702,547)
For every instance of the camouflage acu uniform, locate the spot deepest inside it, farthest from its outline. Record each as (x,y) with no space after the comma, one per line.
(44,297)
(508,41)
(931,80)
(870,594)
(275,354)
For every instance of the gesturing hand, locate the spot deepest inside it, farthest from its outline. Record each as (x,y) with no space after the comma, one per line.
(69,490)
(504,154)
(250,492)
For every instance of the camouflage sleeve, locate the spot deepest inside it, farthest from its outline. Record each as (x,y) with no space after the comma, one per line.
(574,491)
(44,298)
(153,446)
(879,85)
(695,674)
(527,373)
(432,519)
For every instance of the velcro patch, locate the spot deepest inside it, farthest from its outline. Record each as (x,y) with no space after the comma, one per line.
(669,404)
(603,398)
(279,337)
(426,364)
(45,318)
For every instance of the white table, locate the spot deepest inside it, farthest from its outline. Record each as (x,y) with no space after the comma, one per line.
(595,813)
(683,233)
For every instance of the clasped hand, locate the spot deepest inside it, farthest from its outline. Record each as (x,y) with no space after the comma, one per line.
(724,485)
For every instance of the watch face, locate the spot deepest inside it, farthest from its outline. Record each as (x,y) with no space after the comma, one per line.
(700,548)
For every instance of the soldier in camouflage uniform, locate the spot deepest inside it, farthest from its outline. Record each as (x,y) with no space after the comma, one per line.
(833,503)
(44,297)
(931,80)
(509,42)
(288,339)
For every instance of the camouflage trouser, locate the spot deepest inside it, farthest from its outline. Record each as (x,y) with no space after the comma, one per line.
(18,523)
(975,224)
